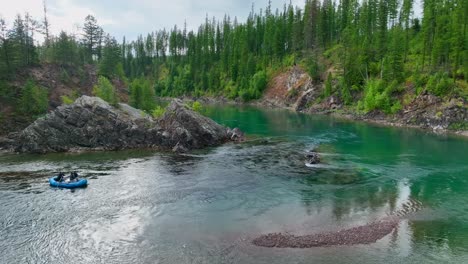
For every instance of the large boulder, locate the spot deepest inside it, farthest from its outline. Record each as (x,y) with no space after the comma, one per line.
(189,129)
(90,123)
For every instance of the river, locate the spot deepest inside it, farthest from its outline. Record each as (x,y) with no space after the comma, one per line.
(207,206)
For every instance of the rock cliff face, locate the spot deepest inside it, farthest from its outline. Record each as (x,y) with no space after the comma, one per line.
(92,124)
(292,89)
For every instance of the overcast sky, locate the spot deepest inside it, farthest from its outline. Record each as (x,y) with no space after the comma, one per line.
(133,17)
(130,18)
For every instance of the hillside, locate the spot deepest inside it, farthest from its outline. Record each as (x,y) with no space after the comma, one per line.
(295,89)
(57,81)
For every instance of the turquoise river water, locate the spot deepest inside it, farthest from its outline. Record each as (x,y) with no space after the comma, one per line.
(207,206)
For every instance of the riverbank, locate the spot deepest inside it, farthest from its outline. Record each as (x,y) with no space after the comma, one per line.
(402,120)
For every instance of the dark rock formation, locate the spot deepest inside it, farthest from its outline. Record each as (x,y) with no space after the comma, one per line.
(189,129)
(236,134)
(312,157)
(92,124)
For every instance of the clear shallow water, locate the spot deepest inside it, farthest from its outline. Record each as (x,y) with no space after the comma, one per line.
(206,207)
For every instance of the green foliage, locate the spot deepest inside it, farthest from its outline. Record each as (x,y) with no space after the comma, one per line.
(374,96)
(396,107)
(142,94)
(70,99)
(109,64)
(257,84)
(5,90)
(377,96)
(440,84)
(313,68)
(158,111)
(197,107)
(64,50)
(33,100)
(64,76)
(458,126)
(66,100)
(289,60)
(328,86)
(249,90)
(106,91)
(461,89)
(345,93)
(231,90)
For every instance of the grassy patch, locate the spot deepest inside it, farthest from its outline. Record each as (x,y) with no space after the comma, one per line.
(462,125)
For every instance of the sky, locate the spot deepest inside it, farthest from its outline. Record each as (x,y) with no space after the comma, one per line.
(131,18)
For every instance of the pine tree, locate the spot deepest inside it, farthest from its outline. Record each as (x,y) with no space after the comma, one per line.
(111,58)
(92,38)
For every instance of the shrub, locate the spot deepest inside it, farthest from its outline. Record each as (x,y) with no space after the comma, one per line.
(66,100)
(105,90)
(142,94)
(328,86)
(64,76)
(461,89)
(313,69)
(377,96)
(69,99)
(5,90)
(462,125)
(257,84)
(396,107)
(439,84)
(197,107)
(345,93)
(158,111)
(33,100)
(231,90)
(289,60)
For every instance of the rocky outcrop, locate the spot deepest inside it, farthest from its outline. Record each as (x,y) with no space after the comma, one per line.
(189,129)
(92,124)
(428,111)
(293,89)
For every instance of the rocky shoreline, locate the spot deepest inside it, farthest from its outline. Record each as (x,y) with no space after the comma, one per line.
(432,125)
(90,123)
(295,90)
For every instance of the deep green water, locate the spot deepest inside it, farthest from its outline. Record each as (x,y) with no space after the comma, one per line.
(206,207)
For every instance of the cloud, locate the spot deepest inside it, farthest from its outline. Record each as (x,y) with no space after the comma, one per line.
(131,18)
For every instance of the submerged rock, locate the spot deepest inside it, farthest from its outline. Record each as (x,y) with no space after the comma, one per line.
(236,134)
(179,148)
(90,123)
(312,157)
(365,234)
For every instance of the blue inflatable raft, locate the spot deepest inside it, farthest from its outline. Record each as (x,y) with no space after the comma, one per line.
(69,185)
